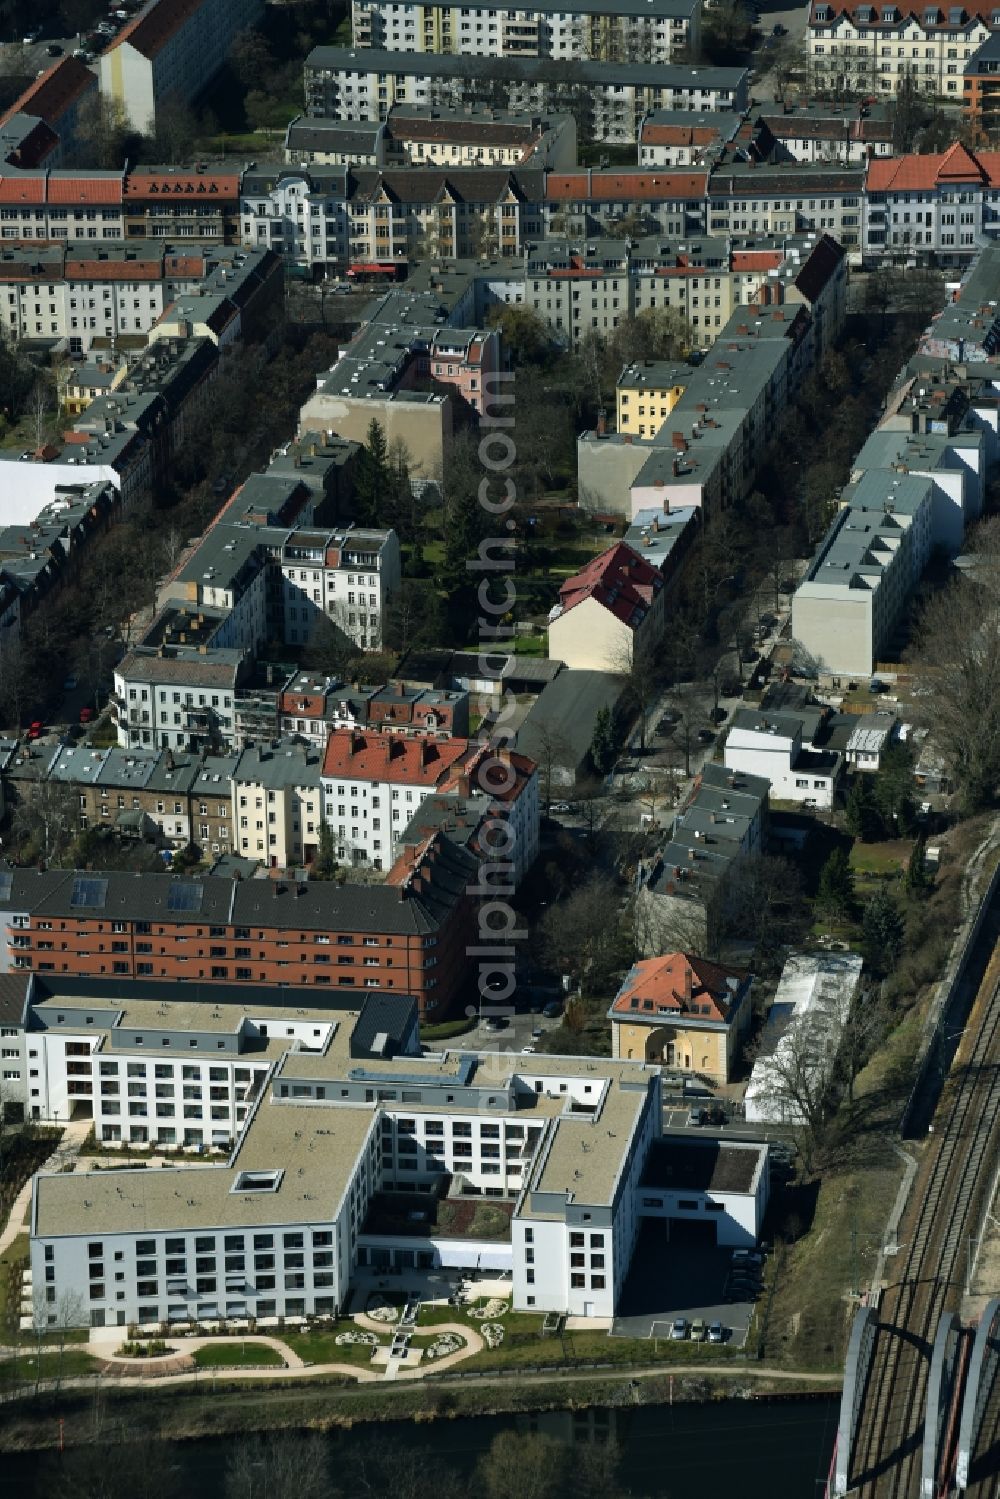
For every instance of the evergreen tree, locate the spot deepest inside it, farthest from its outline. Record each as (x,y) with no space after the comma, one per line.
(835,894)
(917,882)
(893,791)
(861,814)
(325,865)
(373,478)
(602,747)
(883,931)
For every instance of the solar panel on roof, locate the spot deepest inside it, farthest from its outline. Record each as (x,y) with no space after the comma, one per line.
(184,895)
(89,892)
(6,885)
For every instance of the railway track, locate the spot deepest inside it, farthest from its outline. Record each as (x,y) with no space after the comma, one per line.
(958,1161)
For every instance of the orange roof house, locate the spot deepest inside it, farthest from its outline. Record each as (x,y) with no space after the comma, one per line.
(682,1010)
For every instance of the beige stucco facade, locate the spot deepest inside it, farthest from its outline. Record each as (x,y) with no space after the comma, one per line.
(711,1050)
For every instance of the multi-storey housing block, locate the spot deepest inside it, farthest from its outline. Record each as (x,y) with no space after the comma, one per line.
(169,52)
(608,100)
(588,30)
(409,935)
(871,48)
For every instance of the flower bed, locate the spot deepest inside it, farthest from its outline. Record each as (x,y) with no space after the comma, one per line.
(492,1334)
(495,1307)
(155,1348)
(442,1346)
(383,1313)
(343,1338)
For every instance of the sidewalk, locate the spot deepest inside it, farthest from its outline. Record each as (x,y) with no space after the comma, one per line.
(65,1152)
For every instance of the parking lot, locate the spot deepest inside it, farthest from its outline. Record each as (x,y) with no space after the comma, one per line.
(684,1278)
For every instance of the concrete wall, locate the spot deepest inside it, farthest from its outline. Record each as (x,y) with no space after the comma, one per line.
(424,426)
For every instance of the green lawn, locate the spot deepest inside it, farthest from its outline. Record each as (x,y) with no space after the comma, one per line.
(22,1371)
(447,1029)
(890,857)
(237,1353)
(321,1348)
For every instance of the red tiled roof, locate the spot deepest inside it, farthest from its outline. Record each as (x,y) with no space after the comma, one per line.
(354,753)
(150,32)
(678,135)
(152,184)
(677,984)
(32,149)
(22,189)
(51,95)
(619,579)
(756,260)
(72,188)
(118,269)
(607,187)
(970,10)
(924,173)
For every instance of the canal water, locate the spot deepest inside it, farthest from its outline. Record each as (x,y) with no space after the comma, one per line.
(758,1450)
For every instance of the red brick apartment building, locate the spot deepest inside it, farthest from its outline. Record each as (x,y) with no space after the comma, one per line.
(410,935)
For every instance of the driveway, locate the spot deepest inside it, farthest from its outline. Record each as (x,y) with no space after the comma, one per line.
(675,1279)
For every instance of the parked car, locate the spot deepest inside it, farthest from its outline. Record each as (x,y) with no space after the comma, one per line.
(31,37)
(53,50)
(552,1010)
(496,1023)
(716,1332)
(697,1117)
(527,1051)
(697,1331)
(36,730)
(706,736)
(70,684)
(779,30)
(679,1329)
(537,1033)
(86,715)
(747,1257)
(559,807)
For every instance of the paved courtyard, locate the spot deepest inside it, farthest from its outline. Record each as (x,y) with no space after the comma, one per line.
(678,1279)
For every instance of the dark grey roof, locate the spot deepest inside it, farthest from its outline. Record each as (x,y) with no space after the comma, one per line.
(523,69)
(382,1028)
(567,707)
(13,992)
(308,906)
(263,996)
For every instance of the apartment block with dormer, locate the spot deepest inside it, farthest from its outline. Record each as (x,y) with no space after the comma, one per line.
(871,48)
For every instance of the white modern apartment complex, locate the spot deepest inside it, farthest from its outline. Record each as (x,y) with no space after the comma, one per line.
(168,53)
(872,47)
(588,29)
(347,1140)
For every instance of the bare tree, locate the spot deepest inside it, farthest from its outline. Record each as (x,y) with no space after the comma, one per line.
(587,936)
(637,662)
(46,815)
(553,754)
(282,1465)
(794,1083)
(958,661)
